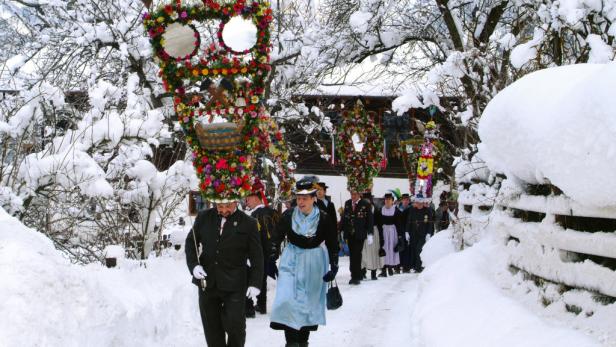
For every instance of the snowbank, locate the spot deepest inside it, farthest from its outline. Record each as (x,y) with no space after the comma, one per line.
(46,301)
(557,125)
(437,247)
(460,305)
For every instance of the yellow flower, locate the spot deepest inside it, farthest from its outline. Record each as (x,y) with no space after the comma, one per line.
(204,72)
(254,99)
(244,70)
(224,72)
(160,19)
(195,72)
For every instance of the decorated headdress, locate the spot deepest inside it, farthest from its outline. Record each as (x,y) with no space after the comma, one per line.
(396,193)
(258,189)
(217,89)
(360,166)
(425,166)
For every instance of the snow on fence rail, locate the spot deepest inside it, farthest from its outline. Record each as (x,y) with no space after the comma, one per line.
(547,236)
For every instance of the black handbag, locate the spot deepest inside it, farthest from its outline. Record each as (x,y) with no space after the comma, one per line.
(334,298)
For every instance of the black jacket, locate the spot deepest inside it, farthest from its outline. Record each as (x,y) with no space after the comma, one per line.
(359,223)
(326,231)
(420,222)
(224,256)
(267,218)
(330,209)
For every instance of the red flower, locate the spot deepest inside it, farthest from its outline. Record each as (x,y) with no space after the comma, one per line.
(221,187)
(246,186)
(222,164)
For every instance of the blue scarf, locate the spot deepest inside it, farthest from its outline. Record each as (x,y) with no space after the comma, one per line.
(305,225)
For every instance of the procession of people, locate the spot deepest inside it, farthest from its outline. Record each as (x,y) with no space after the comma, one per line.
(231,251)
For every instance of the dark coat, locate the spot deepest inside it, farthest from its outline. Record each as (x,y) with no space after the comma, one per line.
(267,218)
(326,231)
(330,209)
(224,256)
(420,222)
(359,223)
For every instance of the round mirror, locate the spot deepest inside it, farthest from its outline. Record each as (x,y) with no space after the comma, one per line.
(181,41)
(239,35)
(358,144)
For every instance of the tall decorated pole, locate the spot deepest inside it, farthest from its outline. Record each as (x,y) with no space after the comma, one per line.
(218,89)
(359,145)
(425,165)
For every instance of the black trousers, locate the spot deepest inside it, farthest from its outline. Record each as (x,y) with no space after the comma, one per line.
(223,312)
(292,335)
(355,248)
(417,242)
(262,297)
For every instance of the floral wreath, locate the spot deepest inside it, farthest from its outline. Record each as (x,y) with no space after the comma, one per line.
(225,174)
(360,167)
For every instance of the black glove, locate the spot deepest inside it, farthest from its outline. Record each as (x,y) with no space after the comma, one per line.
(331,274)
(271,269)
(382,252)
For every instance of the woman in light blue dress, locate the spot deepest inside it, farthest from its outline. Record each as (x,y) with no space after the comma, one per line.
(299,306)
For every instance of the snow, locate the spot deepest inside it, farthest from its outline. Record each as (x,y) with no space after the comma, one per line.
(360,21)
(153,302)
(600,52)
(457,295)
(114,251)
(523,53)
(556,126)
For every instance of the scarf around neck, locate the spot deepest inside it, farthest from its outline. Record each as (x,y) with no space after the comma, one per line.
(305,225)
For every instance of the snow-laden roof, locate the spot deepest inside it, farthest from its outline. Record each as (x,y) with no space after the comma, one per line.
(557,125)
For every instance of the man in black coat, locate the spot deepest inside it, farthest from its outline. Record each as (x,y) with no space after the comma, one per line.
(267,218)
(356,223)
(218,247)
(324,202)
(406,256)
(419,224)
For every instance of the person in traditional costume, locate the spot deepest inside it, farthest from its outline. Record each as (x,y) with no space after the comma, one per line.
(267,217)
(227,238)
(371,259)
(388,220)
(406,256)
(357,223)
(420,224)
(308,262)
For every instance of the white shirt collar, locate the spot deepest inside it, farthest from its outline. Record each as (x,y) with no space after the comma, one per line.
(256,208)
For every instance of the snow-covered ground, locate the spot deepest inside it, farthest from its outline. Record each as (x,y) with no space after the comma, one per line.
(46,301)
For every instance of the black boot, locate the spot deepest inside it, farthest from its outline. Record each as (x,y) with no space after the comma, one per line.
(383,273)
(398,270)
(373,275)
(363,274)
(390,271)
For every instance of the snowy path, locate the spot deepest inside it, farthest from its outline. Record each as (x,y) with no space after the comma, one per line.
(375,313)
